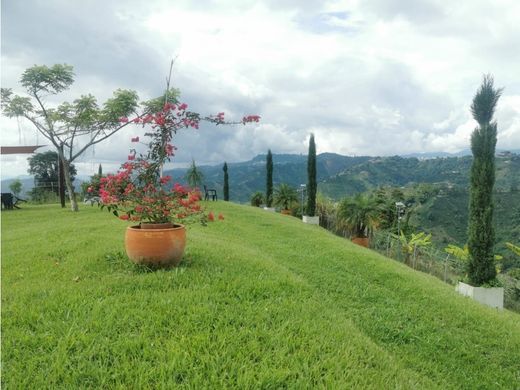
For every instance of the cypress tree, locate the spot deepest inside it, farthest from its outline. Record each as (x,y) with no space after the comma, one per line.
(100,170)
(269,181)
(311,172)
(481,234)
(226,182)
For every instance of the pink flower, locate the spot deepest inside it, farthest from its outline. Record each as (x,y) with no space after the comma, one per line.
(90,189)
(170,149)
(251,118)
(123,119)
(131,157)
(183,106)
(165,179)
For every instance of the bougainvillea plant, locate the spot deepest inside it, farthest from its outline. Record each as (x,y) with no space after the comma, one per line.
(138,191)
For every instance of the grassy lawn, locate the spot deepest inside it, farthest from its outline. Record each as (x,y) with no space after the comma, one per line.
(260,301)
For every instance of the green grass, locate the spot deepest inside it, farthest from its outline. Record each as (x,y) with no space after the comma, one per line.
(260,301)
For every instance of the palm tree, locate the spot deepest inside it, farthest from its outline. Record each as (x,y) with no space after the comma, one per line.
(257,199)
(285,195)
(194,176)
(360,214)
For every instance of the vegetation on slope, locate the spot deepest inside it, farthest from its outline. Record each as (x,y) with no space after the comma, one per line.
(261,300)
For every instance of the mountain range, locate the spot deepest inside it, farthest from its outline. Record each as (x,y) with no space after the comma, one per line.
(339,176)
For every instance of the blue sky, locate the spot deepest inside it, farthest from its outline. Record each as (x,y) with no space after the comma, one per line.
(371,77)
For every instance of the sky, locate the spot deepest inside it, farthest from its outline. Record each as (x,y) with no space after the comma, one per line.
(367,77)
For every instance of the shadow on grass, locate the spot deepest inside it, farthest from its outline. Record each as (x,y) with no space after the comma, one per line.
(118,261)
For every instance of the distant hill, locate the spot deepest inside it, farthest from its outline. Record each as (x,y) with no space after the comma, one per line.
(28,183)
(248,177)
(340,176)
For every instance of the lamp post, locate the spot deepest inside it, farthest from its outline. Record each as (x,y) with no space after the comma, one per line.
(400,207)
(302,190)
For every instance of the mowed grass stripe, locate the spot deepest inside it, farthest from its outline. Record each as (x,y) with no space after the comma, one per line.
(261,301)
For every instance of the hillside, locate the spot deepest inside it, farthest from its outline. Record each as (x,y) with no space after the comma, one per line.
(340,176)
(399,172)
(446,217)
(248,177)
(261,300)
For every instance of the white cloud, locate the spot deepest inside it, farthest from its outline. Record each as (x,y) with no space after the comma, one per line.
(367,77)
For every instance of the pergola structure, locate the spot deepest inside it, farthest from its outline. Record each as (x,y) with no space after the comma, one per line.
(19,149)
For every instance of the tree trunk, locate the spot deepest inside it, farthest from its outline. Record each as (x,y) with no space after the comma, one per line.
(61,182)
(68,181)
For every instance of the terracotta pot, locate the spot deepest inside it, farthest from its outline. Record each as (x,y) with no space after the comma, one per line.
(160,246)
(362,241)
(285,212)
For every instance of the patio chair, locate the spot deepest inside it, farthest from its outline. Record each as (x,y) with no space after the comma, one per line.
(210,193)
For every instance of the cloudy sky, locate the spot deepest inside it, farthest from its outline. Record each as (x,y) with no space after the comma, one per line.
(367,77)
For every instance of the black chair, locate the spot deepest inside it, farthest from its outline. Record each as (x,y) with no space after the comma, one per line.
(18,200)
(10,202)
(7,200)
(210,193)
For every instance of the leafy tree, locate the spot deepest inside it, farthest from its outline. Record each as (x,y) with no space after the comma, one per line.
(16,187)
(226,182)
(194,175)
(481,234)
(512,247)
(269,181)
(45,168)
(312,185)
(91,188)
(257,199)
(285,196)
(70,127)
(360,214)
(410,244)
(462,254)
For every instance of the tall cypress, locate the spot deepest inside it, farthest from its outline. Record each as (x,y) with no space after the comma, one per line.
(269,181)
(100,171)
(481,233)
(226,182)
(311,172)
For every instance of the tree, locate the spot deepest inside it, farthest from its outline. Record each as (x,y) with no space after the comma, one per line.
(269,181)
(311,173)
(226,182)
(285,196)
(16,187)
(410,245)
(45,168)
(257,199)
(194,175)
(360,214)
(70,127)
(481,234)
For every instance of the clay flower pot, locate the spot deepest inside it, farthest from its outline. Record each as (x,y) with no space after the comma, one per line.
(362,241)
(160,245)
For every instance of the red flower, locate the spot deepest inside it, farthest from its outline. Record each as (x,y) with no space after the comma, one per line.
(123,119)
(90,189)
(211,216)
(124,217)
(165,179)
(220,217)
(169,149)
(131,157)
